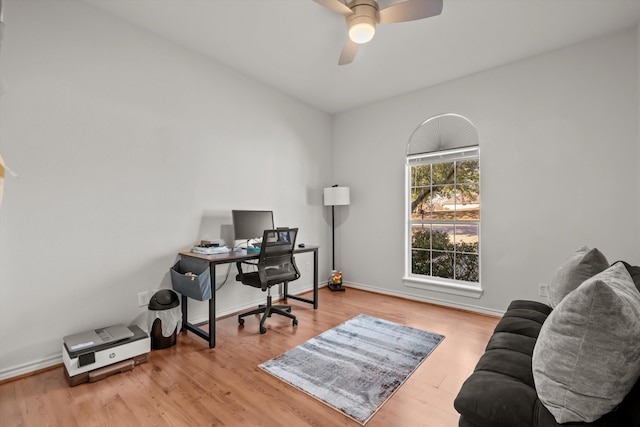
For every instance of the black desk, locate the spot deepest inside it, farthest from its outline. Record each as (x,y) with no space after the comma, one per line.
(233,257)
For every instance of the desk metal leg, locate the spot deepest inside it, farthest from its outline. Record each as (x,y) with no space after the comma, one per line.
(315,285)
(315,279)
(184,315)
(212,307)
(186,326)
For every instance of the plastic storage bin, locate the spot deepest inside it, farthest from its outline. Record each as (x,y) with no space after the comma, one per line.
(165,318)
(192,278)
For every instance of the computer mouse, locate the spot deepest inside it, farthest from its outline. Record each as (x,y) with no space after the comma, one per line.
(301,245)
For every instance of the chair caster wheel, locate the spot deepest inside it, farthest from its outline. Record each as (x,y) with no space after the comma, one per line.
(295,322)
(241,322)
(263,330)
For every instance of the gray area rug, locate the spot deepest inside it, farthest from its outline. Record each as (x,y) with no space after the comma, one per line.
(356,366)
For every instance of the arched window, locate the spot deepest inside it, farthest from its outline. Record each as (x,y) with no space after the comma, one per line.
(443,204)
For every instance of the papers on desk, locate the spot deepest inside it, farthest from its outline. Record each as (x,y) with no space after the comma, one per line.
(210,250)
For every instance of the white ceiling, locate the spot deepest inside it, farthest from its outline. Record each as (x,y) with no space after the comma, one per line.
(293,45)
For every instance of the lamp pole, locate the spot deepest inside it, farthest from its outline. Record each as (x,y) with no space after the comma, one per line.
(334,286)
(333,238)
(335,196)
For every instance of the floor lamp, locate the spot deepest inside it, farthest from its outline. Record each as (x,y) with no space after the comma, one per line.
(335,196)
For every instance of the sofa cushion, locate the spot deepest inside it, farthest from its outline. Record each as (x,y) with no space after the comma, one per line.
(514,364)
(580,266)
(500,392)
(530,305)
(512,341)
(587,356)
(493,399)
(522,322)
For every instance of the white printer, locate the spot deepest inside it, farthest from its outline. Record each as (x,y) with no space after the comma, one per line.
(93,355)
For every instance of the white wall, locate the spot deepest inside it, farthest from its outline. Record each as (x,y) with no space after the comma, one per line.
(130,149)
(559,169)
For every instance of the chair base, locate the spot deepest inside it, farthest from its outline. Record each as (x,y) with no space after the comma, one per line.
(267,310)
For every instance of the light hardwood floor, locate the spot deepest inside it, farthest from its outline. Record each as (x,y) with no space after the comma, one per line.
(191,385)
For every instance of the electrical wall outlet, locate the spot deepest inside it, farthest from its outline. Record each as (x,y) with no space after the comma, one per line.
(543,290)
(143,298)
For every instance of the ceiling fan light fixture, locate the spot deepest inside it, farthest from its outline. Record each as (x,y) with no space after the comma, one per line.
(362,16)
(362,29)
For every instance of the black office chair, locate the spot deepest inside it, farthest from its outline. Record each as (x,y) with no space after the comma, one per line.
(276,264)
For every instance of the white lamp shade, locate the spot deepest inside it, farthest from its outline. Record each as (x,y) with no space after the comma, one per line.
(335,196)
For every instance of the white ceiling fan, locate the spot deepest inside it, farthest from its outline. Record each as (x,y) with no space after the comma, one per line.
(363,15)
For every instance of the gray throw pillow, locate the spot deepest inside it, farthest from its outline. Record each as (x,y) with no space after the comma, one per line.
(587,356)
(581,265)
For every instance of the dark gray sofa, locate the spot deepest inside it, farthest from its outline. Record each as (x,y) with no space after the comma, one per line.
(501,391)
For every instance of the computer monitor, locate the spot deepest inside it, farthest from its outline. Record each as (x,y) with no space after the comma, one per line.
(249,225)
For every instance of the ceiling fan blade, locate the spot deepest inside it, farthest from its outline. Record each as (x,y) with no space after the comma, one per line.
(348,52)
(408,10)
(336,6)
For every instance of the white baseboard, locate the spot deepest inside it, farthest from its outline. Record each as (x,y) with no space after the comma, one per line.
(29,367)
(437,301)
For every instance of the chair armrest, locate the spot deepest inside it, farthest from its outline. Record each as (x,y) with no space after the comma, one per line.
(240,272)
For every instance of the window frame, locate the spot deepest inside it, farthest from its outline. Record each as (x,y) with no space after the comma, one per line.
(428,282)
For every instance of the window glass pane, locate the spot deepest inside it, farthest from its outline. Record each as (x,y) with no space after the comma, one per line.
(421,236)
(441,202)
(467,238)
(468,171)
(421,262)
(443,173)
(438,213)
(442,265)
(468,202)
(467,267)
(442,237)
(420,203)
(442,192)
(420,175)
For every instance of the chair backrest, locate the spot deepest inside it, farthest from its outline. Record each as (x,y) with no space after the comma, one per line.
(276,263)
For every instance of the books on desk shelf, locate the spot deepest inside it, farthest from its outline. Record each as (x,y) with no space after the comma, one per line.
(210,250)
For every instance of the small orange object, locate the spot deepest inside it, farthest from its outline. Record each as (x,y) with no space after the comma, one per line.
(336,277)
